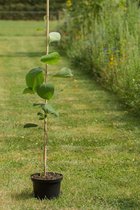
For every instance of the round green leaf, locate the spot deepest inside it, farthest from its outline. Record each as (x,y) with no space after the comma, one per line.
(48,109)
(34,78)
(45,91)
(54,37)
(51,58)
(64,73)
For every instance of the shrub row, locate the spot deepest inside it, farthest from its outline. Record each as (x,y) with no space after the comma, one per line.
(29,9)
(104,39)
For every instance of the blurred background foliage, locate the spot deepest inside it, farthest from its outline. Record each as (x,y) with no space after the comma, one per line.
(29,9)
(102,37)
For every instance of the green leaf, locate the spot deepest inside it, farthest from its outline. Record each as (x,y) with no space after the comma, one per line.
(48,109)
(51,58)
(45,91)
(34,78)
(37,104)
(42,118)
(40,114)
(28,90)
(64,73)
(54,37)
(30,125)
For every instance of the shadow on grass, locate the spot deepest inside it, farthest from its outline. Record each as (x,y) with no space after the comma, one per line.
(24,195)
(23,54)
(121,203)
(128,203)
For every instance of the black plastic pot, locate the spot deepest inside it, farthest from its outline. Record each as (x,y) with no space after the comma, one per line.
(46,188)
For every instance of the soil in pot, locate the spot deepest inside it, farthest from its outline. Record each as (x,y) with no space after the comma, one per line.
(46,186)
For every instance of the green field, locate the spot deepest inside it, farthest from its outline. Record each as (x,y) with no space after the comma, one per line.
(94,143)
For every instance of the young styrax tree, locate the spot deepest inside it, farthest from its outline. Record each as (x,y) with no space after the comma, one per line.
(37,83)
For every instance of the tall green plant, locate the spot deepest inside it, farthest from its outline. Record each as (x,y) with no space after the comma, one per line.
(37,82)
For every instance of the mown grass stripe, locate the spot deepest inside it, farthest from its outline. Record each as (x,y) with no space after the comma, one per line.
(94,142)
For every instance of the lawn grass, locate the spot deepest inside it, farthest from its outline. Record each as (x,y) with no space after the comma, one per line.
(94,143)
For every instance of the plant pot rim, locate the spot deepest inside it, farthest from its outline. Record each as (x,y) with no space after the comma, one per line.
(37,177)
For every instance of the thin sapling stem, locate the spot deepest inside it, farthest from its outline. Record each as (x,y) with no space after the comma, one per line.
(46,74)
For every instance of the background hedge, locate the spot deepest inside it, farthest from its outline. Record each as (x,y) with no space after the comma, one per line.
(29,9)
(102,38)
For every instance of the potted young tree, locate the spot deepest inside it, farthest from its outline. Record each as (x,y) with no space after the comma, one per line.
(46,184)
